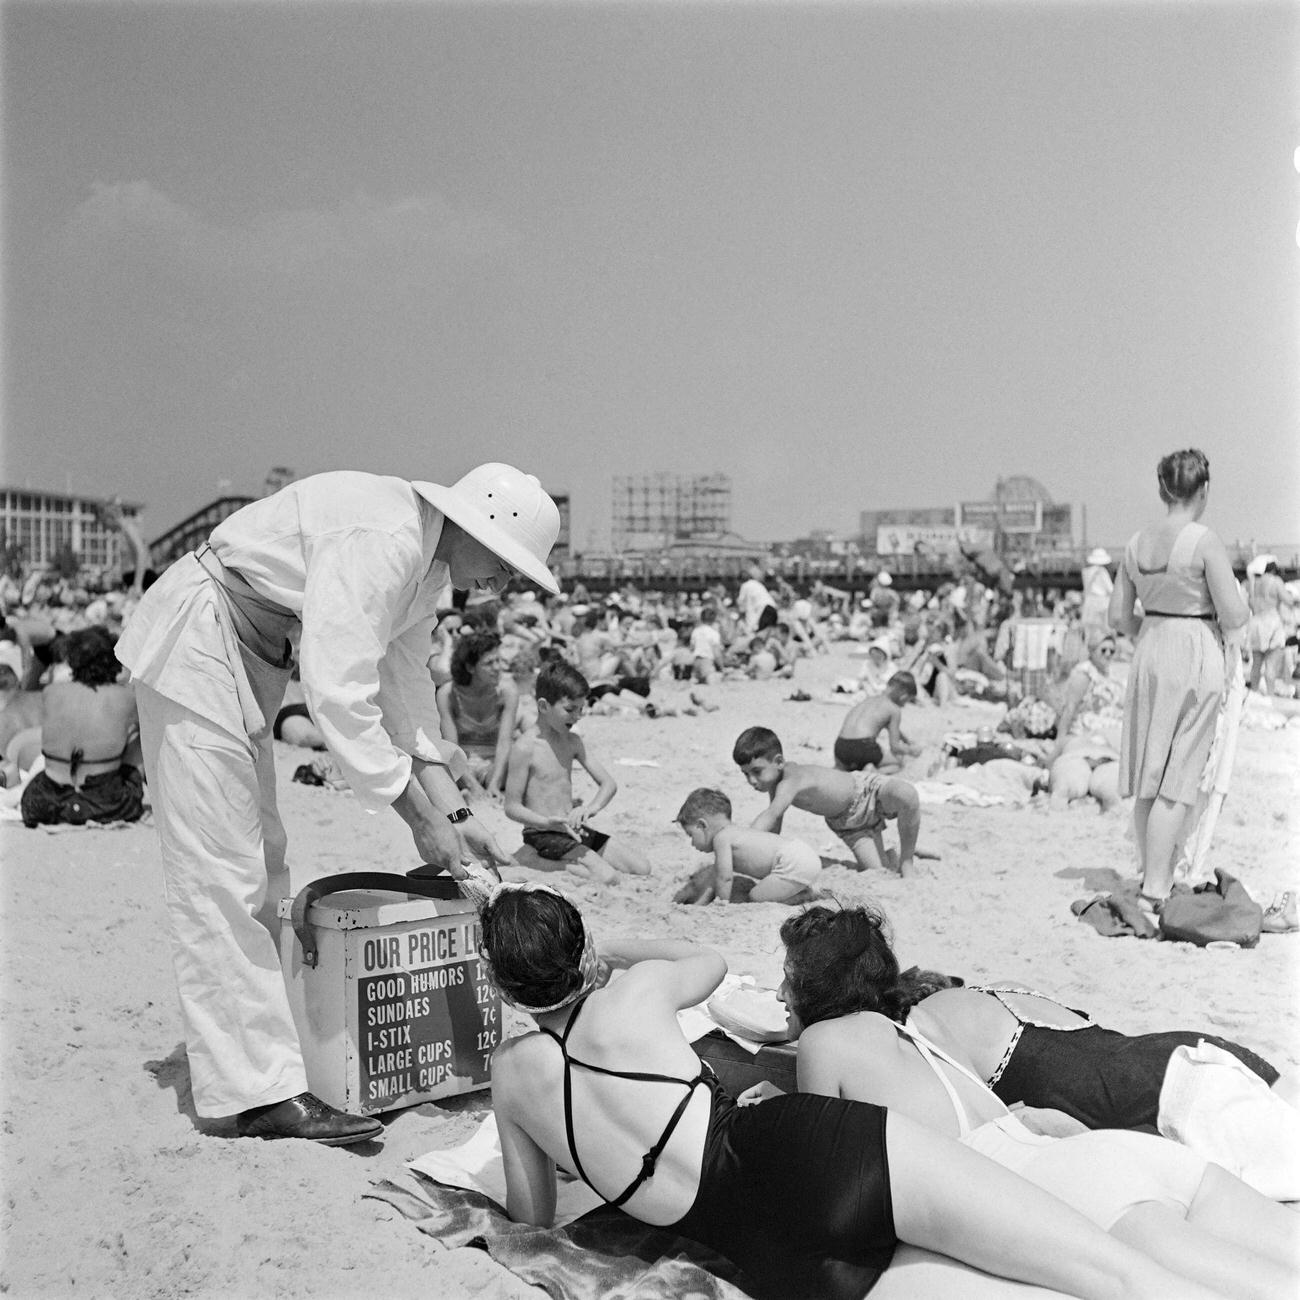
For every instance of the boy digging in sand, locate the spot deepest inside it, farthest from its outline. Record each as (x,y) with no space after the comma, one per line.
(856,805)
(858,744)
(539,785)
(783,870)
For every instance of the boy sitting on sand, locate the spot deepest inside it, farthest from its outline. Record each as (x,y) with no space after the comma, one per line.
(856,805)
(858,744)
(539,785)
(783,870)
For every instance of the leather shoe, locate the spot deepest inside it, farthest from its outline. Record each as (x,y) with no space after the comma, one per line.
(306,1116)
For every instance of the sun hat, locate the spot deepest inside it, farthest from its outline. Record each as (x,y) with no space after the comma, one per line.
(507,511)
(1259,564)
(1098,555)
(884,579)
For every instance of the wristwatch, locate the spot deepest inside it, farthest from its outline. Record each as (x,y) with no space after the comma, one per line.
(460,815)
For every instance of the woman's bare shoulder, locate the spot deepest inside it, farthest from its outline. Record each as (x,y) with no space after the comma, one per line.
(522,1052)
(863,1028)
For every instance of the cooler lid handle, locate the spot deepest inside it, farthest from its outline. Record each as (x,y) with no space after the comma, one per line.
(419,883)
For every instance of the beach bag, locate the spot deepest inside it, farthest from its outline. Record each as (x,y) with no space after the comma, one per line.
(1219,911)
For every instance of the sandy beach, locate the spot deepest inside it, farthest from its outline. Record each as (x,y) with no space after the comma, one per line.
(112,1188)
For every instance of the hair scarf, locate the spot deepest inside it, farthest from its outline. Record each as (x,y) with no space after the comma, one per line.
(589,964)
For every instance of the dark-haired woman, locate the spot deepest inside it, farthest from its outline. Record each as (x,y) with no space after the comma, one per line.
(477,708)
(1191,1216)
(808,1196)
(1180,572)
(90,740)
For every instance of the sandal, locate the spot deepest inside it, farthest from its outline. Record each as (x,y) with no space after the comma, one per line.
(1281,916)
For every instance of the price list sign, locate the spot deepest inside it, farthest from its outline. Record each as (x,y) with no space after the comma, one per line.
(427,1017)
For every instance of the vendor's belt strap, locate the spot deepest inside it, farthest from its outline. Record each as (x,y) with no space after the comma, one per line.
(261,624)
(417,886)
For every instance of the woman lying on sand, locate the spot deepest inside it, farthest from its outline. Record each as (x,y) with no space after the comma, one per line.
(808,1195)
(1027,1047)
(1193,1217)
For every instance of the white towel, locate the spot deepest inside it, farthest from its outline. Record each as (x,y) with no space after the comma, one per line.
(477,1165)
(1225,1112)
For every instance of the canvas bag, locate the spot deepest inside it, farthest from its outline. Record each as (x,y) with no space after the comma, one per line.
(1218,911)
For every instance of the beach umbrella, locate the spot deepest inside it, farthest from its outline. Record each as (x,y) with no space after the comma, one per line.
(1192,865)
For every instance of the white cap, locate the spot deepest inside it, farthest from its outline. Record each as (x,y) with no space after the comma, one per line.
(507,511)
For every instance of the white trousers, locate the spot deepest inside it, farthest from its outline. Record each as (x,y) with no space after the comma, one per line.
(212,787)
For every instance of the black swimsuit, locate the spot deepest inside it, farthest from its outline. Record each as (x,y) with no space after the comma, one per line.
(1103,1078)
(794,1190)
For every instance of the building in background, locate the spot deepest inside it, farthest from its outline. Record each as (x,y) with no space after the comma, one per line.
(651,511)
(193,530)
(42,526)
(1019,520)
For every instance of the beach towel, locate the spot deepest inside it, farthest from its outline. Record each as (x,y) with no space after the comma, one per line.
(605,1255)
(1224,1111)
(456,1197)
(1000,781)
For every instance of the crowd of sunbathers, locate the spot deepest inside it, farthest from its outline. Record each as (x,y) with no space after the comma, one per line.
(965,639)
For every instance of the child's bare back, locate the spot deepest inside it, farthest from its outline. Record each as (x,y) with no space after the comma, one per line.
(825,791)
(865,721)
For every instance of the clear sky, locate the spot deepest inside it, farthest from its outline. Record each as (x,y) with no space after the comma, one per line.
(854,255)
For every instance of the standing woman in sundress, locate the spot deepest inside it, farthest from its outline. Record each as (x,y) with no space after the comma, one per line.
(1179,571)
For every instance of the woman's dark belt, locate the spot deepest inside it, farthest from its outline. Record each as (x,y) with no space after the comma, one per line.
(261,625)
(1160,613)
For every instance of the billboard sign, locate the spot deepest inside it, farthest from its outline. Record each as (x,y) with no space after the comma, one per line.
(942,539)
(1009,516)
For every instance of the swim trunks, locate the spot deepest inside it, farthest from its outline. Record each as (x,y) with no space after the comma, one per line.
(289,711)
(856,752)
(555,846)
(862,817)
(797,862)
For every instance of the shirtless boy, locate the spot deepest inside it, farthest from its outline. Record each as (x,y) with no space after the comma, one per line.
(858,744)
(856,805)
(783,870)
(539,785)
